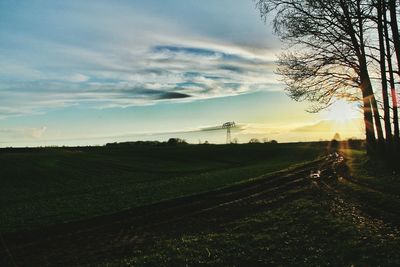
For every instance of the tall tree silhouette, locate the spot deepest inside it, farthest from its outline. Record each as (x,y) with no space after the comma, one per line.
(380,10)
(395,30)
(328,57)
(391,74)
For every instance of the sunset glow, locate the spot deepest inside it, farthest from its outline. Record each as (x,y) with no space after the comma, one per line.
(342,112)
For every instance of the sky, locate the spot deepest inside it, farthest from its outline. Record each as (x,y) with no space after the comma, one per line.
(95,71)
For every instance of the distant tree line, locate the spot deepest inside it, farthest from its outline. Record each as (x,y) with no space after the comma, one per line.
(178,141)
(265,141)
(170,142)
(343,49)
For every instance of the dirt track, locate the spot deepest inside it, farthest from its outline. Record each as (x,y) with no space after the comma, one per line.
(90,241)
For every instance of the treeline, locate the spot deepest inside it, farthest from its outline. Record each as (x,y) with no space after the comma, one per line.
(171,141)
(343,49)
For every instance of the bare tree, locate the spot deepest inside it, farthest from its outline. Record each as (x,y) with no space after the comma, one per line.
(380,8)
(393,23)
(395,31)
(328,58)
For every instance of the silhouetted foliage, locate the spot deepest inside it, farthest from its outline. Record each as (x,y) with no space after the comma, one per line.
(135,143)
(332,54)
(355,143)
(254,141)
(176,141)
(336,137)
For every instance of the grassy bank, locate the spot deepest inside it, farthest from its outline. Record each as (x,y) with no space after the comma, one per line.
(372,172)
(371,182)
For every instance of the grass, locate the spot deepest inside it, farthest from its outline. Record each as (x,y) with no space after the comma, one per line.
(355,224)
(50,185)
(314,230)
(373,183)
(302,233)
(372,172)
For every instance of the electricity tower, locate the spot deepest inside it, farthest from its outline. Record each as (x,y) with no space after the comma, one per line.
(228,126)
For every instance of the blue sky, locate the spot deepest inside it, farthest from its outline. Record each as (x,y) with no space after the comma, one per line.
(90,72)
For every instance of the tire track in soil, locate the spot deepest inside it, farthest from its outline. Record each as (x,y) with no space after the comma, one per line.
(114,235)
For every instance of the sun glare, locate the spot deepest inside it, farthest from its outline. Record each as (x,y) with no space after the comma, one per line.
(341,111)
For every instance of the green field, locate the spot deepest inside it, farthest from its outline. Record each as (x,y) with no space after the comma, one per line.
(346,217)
(304,232)
(345,224)
(44,186)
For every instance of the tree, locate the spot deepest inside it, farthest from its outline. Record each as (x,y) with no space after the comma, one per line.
(395,31)
(387,44)
(254,141)
(328,58)
(380,7)
(391,74)
(176,141)
(337,137)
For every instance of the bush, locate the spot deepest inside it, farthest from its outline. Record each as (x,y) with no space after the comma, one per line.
(176,141)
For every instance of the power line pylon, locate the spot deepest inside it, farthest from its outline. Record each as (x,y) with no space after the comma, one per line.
(228,126)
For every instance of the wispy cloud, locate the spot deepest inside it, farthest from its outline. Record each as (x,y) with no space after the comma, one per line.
(24,133)
(101,60)
(167,73)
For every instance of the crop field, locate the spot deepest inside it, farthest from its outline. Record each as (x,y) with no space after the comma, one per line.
(43,186)
(229,205)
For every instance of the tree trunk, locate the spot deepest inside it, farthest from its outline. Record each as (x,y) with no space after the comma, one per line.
(368,122)
(392,84)
(370,109)
(395,31)
(377,120)
(369,102)
(385,96)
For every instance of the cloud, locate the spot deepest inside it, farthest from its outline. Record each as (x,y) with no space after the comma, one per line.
(37,132)
(321,126)
(24,133)
(173,51)
(130,59)
(330,126)
(169,49)
(238,127)
(163,74)
(78,78)
(172,95)
(347,129)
